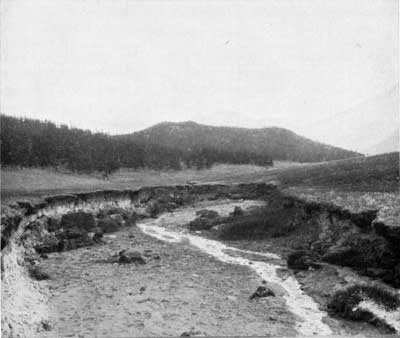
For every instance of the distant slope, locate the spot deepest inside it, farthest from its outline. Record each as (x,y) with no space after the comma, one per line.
(362,126)
(387,145)
(369,173)
(34,143)
(274,143)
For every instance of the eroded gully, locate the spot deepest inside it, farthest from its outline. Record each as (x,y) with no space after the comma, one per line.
(169,228)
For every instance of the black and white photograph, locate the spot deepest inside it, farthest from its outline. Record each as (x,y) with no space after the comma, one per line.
(199,168)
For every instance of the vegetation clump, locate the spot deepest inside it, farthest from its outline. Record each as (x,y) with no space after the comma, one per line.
(345,302)
(264,222)
(205,221)
(303,260)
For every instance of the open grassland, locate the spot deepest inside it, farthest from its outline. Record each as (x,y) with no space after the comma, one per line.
(356,184)
(359,183)
(31,183)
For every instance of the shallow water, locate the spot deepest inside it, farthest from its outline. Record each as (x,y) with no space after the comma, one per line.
(168,228)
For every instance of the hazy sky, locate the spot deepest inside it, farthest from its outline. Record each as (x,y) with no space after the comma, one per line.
(122,65)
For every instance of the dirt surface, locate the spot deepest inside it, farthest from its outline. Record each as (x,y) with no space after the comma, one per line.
(182,289)
(194,283)
(186,290)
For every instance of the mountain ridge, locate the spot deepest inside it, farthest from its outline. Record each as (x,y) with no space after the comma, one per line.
(167,145)
(279,143)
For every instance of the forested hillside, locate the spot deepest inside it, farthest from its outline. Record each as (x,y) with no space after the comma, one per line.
(274,143)
(34,143)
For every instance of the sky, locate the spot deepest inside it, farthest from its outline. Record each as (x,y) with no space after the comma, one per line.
(123,65)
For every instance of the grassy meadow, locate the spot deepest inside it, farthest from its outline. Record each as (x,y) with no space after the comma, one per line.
(356,184)
(34,182)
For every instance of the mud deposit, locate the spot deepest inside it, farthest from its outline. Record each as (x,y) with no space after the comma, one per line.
(192,282)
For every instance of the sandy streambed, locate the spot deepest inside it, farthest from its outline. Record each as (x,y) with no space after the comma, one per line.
(187,290)
(199,286)
(166,228)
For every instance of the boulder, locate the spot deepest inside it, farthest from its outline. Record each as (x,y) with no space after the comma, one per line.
(37,272)
(131,256)
(262,291)
(151,255)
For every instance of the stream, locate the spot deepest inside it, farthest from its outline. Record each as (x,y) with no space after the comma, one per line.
(169,228)
(198,285)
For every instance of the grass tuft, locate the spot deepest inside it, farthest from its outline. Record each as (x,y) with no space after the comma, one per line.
(344,302)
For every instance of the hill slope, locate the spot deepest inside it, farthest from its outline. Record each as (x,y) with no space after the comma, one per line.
(34,143)
(274,143)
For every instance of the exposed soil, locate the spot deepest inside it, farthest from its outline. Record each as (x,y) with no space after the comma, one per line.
(187,282)
(94,296)
(186,290)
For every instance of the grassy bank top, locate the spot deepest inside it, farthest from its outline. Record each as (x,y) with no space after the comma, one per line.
(356,184)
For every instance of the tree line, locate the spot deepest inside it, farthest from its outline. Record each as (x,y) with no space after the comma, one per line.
(34,143)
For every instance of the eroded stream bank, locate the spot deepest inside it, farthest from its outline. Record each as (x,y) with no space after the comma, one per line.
(202,281)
